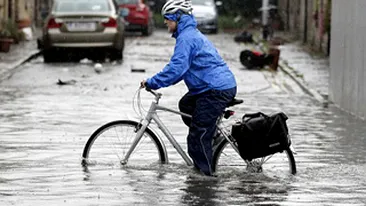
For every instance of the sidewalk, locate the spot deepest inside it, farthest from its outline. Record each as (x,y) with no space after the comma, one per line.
(18,54)
(311,73)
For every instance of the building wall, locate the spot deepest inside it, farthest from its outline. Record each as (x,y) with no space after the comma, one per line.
(347,86)
(25,9)
(289,11)
(3,10)
(4,7)
(41,6)
(33,11)
(305,20)
(17,10)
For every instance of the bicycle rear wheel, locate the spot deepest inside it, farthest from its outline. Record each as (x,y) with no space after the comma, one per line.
(109,144)
(278,164)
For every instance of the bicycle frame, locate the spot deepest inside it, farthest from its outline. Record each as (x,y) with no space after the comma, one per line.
(152,115)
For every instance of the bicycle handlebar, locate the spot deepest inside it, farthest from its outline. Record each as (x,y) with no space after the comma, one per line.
(156,94)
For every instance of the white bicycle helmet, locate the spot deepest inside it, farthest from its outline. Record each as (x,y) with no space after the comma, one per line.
(172,6)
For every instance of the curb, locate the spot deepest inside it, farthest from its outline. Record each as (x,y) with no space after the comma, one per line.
(283,66)
(9,72)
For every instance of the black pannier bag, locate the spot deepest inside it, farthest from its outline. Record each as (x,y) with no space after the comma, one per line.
(260,135)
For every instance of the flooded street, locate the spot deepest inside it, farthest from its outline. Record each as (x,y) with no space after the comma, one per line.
(44,127)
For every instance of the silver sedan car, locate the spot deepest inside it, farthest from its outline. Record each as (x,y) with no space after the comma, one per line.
(83,25)
(206,14)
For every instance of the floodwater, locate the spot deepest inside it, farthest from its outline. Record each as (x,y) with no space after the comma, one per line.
(44,127)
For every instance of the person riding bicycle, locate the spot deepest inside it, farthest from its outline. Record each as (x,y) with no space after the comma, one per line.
(211,84)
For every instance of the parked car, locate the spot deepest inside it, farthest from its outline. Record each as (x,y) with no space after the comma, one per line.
(75,25)
(139,16)
(205,12)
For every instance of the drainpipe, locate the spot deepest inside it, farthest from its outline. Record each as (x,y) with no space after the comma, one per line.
(16,7)
(328,20)
(321,24)
(265,10)
(306,22)
(288,15)
(3,8)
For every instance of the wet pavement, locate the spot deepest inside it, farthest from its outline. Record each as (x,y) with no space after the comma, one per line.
(18,54)
(45,126)
(312,69)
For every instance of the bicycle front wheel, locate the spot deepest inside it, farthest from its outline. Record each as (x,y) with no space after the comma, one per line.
(109,144)
(278,164)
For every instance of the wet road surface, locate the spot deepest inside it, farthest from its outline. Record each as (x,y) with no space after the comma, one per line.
(314,70)
(45,126)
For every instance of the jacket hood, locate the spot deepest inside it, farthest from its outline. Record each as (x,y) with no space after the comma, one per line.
(184,21)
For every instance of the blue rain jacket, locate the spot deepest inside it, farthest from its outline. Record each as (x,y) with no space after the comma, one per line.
(195,60)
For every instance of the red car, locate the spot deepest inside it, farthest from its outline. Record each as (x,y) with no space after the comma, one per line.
(138,16)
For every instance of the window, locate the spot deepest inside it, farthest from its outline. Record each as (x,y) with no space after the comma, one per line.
(82,6)
(203,2)
(128,1)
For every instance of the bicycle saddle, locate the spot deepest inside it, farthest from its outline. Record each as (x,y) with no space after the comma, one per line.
(235,102)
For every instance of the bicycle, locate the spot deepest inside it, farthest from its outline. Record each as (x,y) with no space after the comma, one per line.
(134,143)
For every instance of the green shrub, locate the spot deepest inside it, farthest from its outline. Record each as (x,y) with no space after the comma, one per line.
(4,33)
(10,29)
(158,20)
(229,22)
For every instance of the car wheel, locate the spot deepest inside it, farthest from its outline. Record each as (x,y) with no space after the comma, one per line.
(99,56)
(39,43)
(214,31)
(49,56)
(116,55)
(148,30)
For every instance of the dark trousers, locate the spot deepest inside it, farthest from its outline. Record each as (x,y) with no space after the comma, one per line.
(205,109)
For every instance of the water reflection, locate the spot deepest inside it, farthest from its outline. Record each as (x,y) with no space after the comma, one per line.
(201,191)
(86,173)
(350,131)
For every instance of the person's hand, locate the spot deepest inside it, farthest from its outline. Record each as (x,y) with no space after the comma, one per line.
(143,84)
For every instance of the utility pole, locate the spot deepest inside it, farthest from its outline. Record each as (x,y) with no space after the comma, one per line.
(267,30)
(265,10)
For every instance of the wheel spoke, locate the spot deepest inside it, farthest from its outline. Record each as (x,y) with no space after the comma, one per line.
(278,164)
(111,142)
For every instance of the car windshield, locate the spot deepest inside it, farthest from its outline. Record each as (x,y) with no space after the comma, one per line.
(127,1)
(203,2)
(81,5)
